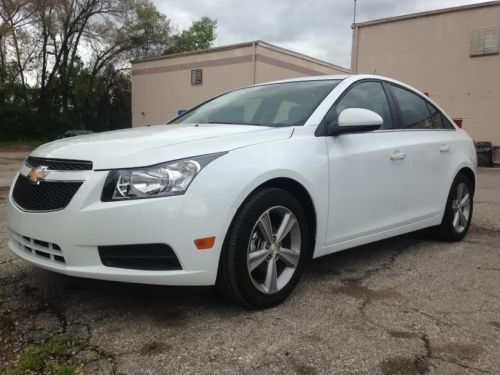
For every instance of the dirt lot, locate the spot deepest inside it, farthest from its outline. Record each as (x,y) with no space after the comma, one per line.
(408,305)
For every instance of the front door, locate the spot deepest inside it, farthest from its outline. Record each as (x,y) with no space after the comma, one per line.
(369,172)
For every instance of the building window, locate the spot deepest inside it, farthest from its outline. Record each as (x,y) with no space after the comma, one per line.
(485,41)
(196,77)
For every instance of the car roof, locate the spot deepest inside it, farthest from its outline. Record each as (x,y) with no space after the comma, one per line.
(354,77)
(308,78)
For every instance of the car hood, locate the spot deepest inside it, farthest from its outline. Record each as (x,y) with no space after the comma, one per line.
(155,144)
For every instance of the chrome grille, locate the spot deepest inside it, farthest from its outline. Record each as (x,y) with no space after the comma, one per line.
(59,164)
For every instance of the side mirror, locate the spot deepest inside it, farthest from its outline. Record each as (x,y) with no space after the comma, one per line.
(355,120)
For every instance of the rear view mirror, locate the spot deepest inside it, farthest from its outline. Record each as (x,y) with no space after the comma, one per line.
(354,120)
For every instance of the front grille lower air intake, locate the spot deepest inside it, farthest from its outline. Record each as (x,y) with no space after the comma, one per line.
(150,257)
(44,196)
(59,164)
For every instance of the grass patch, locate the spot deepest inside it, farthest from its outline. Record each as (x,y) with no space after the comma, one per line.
(54,356)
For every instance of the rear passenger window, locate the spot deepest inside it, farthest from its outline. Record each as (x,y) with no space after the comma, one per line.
(367,95)
(414,111)
(439,121)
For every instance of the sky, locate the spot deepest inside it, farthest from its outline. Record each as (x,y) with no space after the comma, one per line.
(318,28)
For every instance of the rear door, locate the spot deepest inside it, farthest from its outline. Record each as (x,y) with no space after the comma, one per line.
(430,144)
(369,172)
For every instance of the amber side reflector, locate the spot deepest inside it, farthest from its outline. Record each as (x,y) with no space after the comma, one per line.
(204,243)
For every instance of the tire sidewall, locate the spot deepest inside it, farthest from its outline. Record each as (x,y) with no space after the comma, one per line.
(447,224)
(246,221)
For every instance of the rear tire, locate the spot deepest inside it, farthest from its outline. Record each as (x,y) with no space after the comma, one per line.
(265,250)
(458,213)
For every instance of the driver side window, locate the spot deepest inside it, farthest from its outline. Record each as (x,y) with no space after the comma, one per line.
(367,95)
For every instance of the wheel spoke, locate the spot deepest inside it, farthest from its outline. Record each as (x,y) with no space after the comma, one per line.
(289,256)
(456,218)
(460,192)
(463,219)
(465,200)
(271,281)
(265,227)
(286,226)
(256,258)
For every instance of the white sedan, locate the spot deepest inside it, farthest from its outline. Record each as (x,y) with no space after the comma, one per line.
(242,190)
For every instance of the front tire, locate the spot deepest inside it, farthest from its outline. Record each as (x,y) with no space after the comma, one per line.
(458,213)
(265,251)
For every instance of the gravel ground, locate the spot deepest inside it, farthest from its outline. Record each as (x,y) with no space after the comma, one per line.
(408,305)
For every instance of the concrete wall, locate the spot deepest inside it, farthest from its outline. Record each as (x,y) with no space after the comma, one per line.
(432,53)
(162,86)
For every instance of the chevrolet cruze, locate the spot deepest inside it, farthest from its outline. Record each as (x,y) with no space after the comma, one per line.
(242,190)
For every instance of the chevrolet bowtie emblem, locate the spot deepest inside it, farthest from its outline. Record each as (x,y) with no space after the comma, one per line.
(37,174)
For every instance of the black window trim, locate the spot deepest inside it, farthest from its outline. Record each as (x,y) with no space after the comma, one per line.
(427,103)
(321,130)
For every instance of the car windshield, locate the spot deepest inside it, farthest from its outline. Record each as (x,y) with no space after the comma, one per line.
(278,104)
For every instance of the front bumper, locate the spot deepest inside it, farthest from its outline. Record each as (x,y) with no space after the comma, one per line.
(75,232)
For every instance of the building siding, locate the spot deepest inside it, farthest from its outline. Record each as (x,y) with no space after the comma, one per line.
(432,53)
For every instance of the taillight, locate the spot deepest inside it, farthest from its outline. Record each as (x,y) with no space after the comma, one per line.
(458,122)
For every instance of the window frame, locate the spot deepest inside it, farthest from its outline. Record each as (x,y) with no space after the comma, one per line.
(427,103)
(331,115)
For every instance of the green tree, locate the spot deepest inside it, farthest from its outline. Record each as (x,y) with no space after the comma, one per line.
(66,63)
(200,35)
(146,32)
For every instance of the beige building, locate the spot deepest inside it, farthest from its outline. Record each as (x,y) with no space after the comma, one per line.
(164,85)
(451,54)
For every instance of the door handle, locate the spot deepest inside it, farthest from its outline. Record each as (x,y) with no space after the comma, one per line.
(444,148)
(398,155)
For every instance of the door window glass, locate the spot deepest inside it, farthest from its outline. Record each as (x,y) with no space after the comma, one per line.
(439,121)
(414,111)
(367,95)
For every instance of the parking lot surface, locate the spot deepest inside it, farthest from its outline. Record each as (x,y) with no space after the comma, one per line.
(407,305)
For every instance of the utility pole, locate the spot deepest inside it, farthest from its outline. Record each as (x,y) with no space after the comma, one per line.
(354,45)
(354,18)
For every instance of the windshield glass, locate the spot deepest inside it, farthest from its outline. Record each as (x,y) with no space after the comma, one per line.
(279,104)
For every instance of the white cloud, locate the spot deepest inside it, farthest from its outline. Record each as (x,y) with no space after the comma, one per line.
(319,28)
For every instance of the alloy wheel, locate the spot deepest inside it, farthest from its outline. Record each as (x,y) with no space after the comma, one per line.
(461,205)
(274,249)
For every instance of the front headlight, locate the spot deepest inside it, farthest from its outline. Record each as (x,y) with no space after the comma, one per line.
(165,179)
